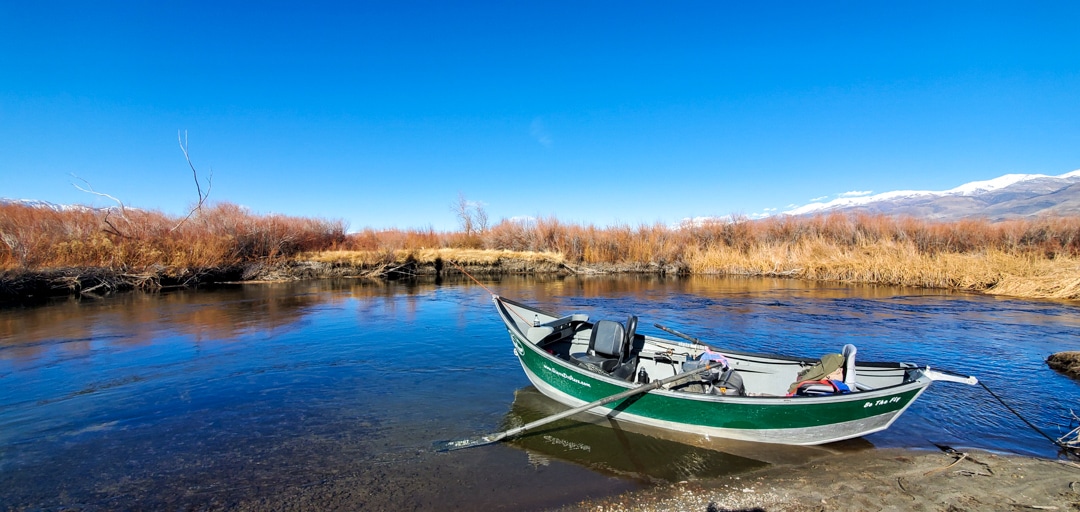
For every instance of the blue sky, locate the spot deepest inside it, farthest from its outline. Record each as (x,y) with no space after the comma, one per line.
(382,113)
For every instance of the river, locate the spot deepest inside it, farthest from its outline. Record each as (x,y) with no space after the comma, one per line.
(329,394)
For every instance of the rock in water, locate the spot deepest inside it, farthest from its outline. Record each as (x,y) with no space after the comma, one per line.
(1066,362)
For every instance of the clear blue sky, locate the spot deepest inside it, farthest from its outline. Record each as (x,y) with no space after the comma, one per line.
(381,113)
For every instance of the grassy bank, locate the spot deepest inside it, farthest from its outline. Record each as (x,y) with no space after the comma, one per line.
(991,270)
(1029,258)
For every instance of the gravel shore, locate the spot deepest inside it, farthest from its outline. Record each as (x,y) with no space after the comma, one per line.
(890,479)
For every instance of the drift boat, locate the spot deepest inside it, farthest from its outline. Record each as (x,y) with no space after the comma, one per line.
(747,397)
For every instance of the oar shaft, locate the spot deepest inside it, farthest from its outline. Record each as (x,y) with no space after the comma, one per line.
(679,334)
(603,401)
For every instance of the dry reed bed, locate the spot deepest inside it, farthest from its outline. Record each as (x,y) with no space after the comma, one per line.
(137,240)
(1032,258)
(991,271)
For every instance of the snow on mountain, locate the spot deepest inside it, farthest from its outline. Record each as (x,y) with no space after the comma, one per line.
(35,203)
(1008,196)
(978,187)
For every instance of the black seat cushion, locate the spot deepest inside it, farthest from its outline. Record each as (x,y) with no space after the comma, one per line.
(608,346)
(608,339)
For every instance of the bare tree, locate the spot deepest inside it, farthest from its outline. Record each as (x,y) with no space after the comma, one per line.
(195,174)
(464,214)
(471,215)
(481,217)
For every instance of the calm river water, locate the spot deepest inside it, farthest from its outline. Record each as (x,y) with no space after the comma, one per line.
(330,394)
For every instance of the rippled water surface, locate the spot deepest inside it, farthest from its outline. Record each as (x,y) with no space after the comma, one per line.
(330,394)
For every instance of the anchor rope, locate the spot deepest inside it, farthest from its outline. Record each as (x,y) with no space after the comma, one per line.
(493,294)
(462,269)
(1056,442)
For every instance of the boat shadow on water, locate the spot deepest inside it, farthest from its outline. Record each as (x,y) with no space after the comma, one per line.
(643,453)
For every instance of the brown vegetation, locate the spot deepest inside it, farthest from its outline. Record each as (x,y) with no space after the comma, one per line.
(1034,258)
(222,235)
(45,251)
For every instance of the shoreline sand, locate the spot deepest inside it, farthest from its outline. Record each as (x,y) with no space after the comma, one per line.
(884,479)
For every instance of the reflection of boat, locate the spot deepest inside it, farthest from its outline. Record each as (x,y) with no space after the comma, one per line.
(575,361)
(606,446)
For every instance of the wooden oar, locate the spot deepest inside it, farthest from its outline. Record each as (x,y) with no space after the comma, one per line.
(446,446)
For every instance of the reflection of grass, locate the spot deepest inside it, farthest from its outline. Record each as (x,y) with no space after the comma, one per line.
(1033,258)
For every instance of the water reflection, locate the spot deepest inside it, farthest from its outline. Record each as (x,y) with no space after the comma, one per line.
(644,453)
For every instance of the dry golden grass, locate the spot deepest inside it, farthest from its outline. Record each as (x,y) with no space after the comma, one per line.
(1049,279)
(992,271)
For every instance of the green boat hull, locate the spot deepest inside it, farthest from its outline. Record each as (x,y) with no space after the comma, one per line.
(775,419)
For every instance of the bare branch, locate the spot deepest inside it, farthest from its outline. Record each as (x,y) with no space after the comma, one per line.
(112,229)
(195,174)
(90,190)
(184,147)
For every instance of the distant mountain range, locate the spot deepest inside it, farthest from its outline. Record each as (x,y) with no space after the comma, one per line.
(1011,196)
(34,203)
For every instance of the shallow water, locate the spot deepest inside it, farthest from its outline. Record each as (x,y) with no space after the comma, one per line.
(330,393)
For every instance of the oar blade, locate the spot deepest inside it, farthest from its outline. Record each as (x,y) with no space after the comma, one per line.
(461,444)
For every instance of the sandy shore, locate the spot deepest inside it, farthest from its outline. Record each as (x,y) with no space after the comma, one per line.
(889,479)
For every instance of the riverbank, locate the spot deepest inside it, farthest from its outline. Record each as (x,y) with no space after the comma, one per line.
(890,264)
(29,286)
(994,273)
(887,479)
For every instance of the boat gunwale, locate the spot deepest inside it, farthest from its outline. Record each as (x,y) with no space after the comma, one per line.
(725,351)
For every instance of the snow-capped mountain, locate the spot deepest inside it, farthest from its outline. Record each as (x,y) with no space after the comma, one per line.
(35,203)
(1006,197)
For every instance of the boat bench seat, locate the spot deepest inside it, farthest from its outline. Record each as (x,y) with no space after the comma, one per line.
(535,334)
(563,325)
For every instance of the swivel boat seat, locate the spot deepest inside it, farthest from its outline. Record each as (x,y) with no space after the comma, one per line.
(609,348)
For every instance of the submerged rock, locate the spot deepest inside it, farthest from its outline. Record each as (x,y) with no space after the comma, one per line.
(1066,362)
